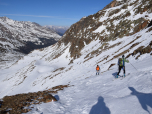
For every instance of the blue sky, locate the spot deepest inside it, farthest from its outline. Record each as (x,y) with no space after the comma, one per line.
(50,12)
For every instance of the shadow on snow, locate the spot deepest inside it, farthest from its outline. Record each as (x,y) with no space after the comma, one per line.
(114,74)
(145,99)
(100,107)
(57,97)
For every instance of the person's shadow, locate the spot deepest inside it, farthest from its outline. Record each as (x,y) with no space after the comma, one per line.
(57,97)
(100,107)
(114,74)
(145,99)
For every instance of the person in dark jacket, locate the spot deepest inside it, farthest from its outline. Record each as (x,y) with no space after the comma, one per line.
(121,65)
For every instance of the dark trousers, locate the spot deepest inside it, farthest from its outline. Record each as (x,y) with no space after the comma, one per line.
(97,72)
(121,67)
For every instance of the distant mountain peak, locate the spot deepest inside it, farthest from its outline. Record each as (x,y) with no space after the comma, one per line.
(58,29)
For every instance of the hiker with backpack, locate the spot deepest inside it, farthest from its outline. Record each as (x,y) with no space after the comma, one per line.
(97,69)
(121,64)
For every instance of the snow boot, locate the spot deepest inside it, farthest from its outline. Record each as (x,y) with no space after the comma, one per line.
(116,76)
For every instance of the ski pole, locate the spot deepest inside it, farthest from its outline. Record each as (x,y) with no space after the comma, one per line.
(133,66)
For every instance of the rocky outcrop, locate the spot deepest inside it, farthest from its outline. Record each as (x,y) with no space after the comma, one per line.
(116,20)
(142,50)
(20,103)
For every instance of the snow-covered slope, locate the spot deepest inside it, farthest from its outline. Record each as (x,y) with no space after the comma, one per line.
(103,94)
(28,31)
(90,94)
(118,19)
(73,60)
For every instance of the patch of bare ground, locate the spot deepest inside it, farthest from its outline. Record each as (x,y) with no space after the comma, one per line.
(20,103)
(118,55)
(142,50)
(59,54)
(52,76)
(111,66)
(128,44)
(105,58)
(59,69)
(69,69)
(150,29)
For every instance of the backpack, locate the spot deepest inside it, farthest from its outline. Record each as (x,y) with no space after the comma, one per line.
(97,68)
(120,62)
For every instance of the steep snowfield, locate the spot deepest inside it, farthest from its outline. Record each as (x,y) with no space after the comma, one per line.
(88,94)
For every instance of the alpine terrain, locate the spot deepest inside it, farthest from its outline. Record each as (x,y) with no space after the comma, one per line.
(66,71)
(19,37)
(58,29)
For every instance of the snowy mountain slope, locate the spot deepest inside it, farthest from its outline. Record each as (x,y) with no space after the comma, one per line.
(23,37)
(89,90)
(45,69)
(100,94)
(116,20)
(30,30)
(73,61)
(48,65)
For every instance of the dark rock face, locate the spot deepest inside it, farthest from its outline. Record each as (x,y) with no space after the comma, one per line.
(20,103)
(150,24)
(143,50)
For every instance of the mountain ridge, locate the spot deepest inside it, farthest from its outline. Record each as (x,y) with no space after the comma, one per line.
(102,25)
(23,37)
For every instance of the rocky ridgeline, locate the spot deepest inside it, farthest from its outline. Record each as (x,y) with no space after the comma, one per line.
(18,38)
(20,103)
(116,20)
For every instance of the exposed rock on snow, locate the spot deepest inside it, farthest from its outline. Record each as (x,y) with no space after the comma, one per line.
(118,19)
(21,103)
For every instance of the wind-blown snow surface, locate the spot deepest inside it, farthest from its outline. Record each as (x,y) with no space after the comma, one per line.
(90,94)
